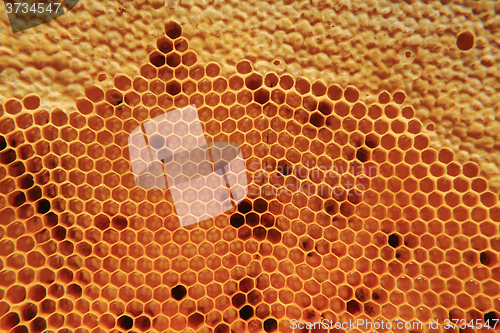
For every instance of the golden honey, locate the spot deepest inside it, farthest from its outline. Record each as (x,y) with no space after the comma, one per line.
(351,213)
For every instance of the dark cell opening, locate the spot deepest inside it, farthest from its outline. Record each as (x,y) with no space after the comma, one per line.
(29,312)
(35,193)
(59,233)
(51,219)
(362,295)
(238,300)
(50,190)
(17,199)
(10,320)
(173,60)
(270,325)
(173,30)
(20,329)
(237,220)
(260,205)
(157,141)
(246,312)
(38,325)
(246,285)
(119,222)
(254,81)
(369,309)
(394,240)
(178,292)
(331,207)
(346,209)
(309,314)
(244,233)
(157,59)
(25,182)
(267,220)
(181,45)
(101,221)
(25,152)
(491,319)
(43,177)
(353,307)
(116,99)
(3,143)
(164,45)
(65,275)
(165,155)
(325,108)
(143,323)
(222,328)
(252,219)
(354,196)
(75,290)
(465,41)
(195,320)
(245,206)
(254,297)
(317,119)
(363,155)
(173,88)
(487,258)
(306,244)
(284,168)
(43,206)
(384,97)
(8,156)
(261,96)
(371,140)
(259,233)
(125,322)
(37,293)
(274,236)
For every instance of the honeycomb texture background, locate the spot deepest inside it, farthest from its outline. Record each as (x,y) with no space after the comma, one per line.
(394,229)
(373,45)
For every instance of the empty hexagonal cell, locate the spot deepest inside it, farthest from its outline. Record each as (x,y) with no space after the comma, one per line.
(94,93)
(165,45)
(13,106)
(244,67)
(173,29)
(254,81)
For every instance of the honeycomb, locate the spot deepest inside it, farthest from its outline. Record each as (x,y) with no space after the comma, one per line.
(350,212)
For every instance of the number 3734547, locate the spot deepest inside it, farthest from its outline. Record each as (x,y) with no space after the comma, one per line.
(25,8)
(478,323)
